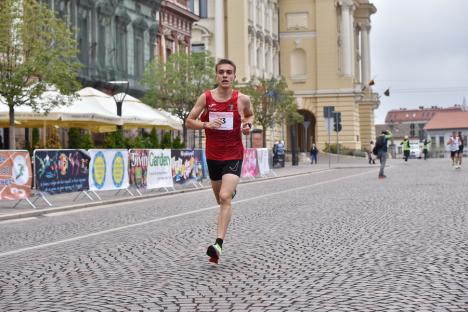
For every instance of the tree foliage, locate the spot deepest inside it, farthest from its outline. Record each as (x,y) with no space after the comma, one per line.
(37,50)
(272,101)
(175,85)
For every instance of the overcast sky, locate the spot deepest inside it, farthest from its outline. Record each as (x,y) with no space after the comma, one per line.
(419,49)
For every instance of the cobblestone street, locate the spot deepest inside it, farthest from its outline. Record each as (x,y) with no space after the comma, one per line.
(329,240)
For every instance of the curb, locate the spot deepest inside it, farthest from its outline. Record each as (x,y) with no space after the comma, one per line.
(40,212)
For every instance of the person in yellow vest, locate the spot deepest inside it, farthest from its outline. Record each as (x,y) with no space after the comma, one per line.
(406,148)
(426,146)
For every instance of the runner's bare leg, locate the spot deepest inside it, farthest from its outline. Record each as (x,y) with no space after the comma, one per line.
(228,185)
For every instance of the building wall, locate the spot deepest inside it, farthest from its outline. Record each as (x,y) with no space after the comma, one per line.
(322,62)
(107,50)
(249,35)
(175,28)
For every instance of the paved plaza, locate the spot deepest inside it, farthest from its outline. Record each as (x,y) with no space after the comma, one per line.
(310,239)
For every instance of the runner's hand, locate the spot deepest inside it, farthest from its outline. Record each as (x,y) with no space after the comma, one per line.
(246,128)
(215,124)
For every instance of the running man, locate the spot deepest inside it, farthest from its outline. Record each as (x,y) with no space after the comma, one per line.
(461,144)
(223,113)
(454,146)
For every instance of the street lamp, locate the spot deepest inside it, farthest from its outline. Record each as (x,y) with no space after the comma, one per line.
(119,96)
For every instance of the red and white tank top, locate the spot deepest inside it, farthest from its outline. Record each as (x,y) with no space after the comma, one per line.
(224,143)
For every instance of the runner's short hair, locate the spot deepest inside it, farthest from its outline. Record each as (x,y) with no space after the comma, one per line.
(225,61)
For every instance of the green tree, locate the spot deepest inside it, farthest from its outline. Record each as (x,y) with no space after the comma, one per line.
(272,102)
(153,138)
(74,138)
(175,85)
(86,141)
(35,138)
(177,143)
(166,141)
(37,50)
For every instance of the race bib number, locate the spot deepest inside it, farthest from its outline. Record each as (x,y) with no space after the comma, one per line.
(227,117)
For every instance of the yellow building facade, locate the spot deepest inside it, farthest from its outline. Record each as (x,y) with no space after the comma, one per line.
(325,57)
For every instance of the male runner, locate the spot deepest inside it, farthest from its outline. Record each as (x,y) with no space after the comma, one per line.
(224,113)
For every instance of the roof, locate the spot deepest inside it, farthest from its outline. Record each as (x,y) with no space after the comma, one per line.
(448,120)
(415,115)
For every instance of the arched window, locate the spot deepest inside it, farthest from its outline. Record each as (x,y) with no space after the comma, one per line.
(298,64)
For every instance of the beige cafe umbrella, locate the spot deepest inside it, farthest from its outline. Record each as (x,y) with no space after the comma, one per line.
(87,109)
(136,114)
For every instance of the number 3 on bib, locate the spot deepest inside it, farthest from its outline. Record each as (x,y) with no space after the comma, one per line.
(227,117)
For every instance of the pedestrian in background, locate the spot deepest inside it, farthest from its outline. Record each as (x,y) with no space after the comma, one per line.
(370,155)
(381,147)
(426,148)
(313,154)
(461,144)
(454,147)
(406,148)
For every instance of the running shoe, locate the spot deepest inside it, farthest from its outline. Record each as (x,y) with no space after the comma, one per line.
(214,252)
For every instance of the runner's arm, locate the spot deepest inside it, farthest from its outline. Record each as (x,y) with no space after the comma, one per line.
(246,112)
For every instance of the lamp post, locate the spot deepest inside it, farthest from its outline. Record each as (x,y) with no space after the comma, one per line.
(119,97)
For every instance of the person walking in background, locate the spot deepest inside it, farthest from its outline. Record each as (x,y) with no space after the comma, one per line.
(454,147)
(370,155)
(381,147)
(224,114)
(313,154)
(275,155)
(426,145)
(280,153)
(461,144)
(406,148)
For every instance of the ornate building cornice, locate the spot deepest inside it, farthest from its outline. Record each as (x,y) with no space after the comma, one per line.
(123,16)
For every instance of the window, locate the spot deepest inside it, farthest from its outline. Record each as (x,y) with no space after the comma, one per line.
(203,9)
(83,43)
(412,131)
(198,47)
(139,57)
(421,132)
(298,63)
(441,142)
(152,44)
(259,58)
(122,48)
(102,44)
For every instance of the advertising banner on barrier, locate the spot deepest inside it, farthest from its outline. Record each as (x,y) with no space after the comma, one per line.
(15,175)
(108,169)
(262,160)
(159,169)
(187,165)
(138,167)
(249,165)
(61,171)
(202,155)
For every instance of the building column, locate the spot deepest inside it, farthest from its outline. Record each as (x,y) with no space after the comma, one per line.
(163,47)
(365,53)
(345,31)
(219,29)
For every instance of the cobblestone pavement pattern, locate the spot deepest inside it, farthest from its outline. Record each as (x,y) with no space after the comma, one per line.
(336,240)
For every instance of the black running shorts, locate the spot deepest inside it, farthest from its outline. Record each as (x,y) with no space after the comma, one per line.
(218,168)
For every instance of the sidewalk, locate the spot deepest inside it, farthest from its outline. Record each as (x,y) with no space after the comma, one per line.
(77,200)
